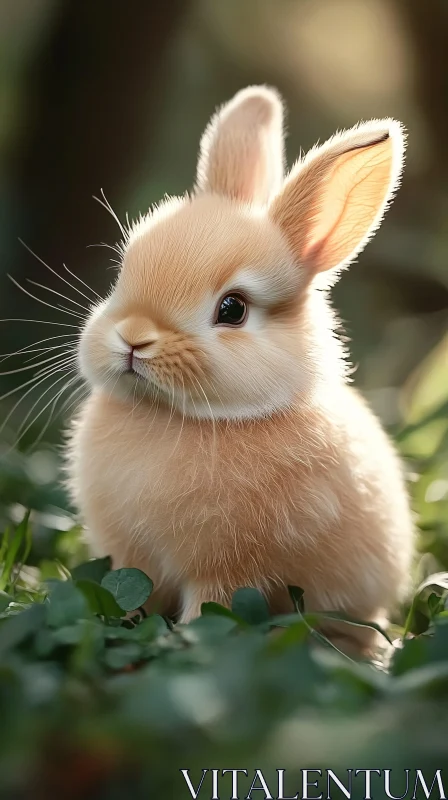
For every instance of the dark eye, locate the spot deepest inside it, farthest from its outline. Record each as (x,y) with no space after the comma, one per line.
(232,310)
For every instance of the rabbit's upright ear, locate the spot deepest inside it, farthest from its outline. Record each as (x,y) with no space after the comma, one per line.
(241,151)
(333,201)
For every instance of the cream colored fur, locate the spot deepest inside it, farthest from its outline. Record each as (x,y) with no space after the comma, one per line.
(240,456)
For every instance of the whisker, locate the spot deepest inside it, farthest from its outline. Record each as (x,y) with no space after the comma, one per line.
(27,348)
(59,359)
(45,427)
(134,404)
(42,322)
(116,248)
(113,387)
(71,358)
(83,317)
(48,349)
(62,409)
(36,403)
(59,294)
(31,366)
(183,418)
(44,264)
(105,203)
(213,421)
(33,421)
(35,381)
(27,383)
(82,282)
(66,407)
(33,297)
(172,404)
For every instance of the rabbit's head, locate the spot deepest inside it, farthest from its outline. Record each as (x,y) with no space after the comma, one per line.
(215,311)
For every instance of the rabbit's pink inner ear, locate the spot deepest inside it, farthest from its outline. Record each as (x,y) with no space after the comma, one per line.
(241,153)
(332,204)
(354,195)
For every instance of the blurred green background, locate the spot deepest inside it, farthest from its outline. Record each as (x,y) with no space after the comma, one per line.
(114,96)
(107,95)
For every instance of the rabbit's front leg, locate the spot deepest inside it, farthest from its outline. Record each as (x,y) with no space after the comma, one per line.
(193,595)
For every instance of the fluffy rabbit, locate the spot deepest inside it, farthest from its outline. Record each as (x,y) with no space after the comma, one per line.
(221,445)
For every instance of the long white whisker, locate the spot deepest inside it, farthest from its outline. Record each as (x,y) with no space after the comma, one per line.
(65,405)
(35,381)
(70,359)
(83,284)
(59,294)
(183,417)
(80,316)
(60,393)
(32,366)
(36,403)
(28,347)
(116,248)
(214,448)
(33,297)
(47,350)
(33,421)
(105,203)
(172,400)
(42,322)
(60,276)
(32,380)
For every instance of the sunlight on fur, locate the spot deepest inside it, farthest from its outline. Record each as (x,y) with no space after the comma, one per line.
(220,444)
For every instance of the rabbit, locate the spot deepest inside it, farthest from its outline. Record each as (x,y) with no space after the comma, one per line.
(222,444)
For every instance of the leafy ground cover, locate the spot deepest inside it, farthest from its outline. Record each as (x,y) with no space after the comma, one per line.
(98,700)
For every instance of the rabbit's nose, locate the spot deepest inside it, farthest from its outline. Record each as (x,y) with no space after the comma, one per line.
(134,344)
(137,334)
(140,345)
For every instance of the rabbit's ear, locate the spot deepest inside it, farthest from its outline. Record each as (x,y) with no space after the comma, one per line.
(332,202)
(241,151)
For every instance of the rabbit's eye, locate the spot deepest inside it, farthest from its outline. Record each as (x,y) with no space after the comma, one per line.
(232,310)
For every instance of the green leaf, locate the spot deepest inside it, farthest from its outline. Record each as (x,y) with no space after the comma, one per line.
(70,634)
(328,643)
(4,545)
(439,579)
(430,679)
(217,610)
(251,606)
(211,628)
(93,570)
(99,599)
(149,628)
(285,620)
(435,604)
(53,570)
(295,633)
(351,621)
(10,551)
(17,628)
(5,600)
(66,605)
(413,654)
(122,655)
(129,586)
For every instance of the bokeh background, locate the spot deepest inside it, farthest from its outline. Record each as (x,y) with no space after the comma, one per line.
(113,96)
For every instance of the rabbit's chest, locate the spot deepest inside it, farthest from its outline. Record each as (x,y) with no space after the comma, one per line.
(187,488)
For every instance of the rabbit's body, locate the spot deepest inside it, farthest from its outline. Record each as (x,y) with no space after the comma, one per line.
(221,445)
(206,508)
